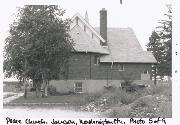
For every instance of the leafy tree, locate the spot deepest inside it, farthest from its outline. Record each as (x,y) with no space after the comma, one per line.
(165,32)
(39,45)
(156,47)
(160,44)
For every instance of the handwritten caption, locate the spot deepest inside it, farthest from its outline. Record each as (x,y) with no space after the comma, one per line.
(105,121)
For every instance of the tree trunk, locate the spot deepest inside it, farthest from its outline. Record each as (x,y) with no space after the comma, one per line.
(46,88)
(37,92)
(36,86)
(43,88)
(25,88)
(25,92)
(155,77)
(25,81)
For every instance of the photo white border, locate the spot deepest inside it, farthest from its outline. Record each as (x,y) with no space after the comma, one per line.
(175,63)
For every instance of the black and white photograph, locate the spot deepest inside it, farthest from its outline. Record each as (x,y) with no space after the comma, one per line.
(88,59)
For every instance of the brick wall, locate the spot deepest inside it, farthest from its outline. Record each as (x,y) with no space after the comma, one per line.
(82,67)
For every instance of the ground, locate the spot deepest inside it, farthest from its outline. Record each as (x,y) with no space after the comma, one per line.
(46,112)
(68,99)
(152,101)
(52,106)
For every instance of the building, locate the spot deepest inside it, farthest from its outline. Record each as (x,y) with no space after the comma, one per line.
(103,57)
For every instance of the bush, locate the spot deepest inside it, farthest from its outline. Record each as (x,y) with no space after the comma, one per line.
(32,89)
(90,97)
(161,89)
(52,90)
(165,109)
(117,112)
(146,101)
(151,106)
(109,88)
(126,97)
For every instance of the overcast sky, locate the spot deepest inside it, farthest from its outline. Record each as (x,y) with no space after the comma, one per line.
(141,15)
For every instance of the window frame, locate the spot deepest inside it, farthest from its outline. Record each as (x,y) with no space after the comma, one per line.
(146,72)
(76,87)
(84,28)
(77,20)
(120,67)
(92,36)
(96,60)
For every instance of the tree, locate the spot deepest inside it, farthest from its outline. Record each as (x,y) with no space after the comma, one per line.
(156,47)
(160,44)
(165,32)
(39,45)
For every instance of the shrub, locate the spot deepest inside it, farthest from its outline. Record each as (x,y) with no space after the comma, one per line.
(32,89)
(119,112)
(109,88)
(165,109)
(90,97)
(151,106)
(127,98)
(117,95)
(52,90)
(161,89)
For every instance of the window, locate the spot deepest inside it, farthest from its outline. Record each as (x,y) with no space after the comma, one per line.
(78,87)
(92,35)
(145,72)
(120,67)
(96,60)
(84,28)
(77,20)
(103,43)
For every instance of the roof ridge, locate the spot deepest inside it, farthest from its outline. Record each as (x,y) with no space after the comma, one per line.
(87,24)
(117,28)
(87,40)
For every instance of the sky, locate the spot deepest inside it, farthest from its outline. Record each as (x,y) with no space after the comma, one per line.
(141,15)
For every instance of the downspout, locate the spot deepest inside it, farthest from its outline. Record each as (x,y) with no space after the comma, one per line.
(108,73)
(90,67)
(111,68)
(107,76)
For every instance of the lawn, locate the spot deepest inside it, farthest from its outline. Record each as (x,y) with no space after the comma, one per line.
(6,95)
(70,99)
(152,101)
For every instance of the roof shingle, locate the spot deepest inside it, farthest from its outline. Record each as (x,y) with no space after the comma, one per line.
(84,43)
(124,47)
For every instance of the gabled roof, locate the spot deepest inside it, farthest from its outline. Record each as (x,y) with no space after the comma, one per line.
(122,43)
(88,25)
(124,47)
(84,43)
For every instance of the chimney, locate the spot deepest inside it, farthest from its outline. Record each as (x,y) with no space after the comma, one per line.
(86,17)
(103,26)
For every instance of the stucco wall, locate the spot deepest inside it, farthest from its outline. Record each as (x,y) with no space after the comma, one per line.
(89,86)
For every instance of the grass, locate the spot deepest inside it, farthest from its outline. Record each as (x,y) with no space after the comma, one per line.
(8,95)
(162,89)
(72,99)
(153,101)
